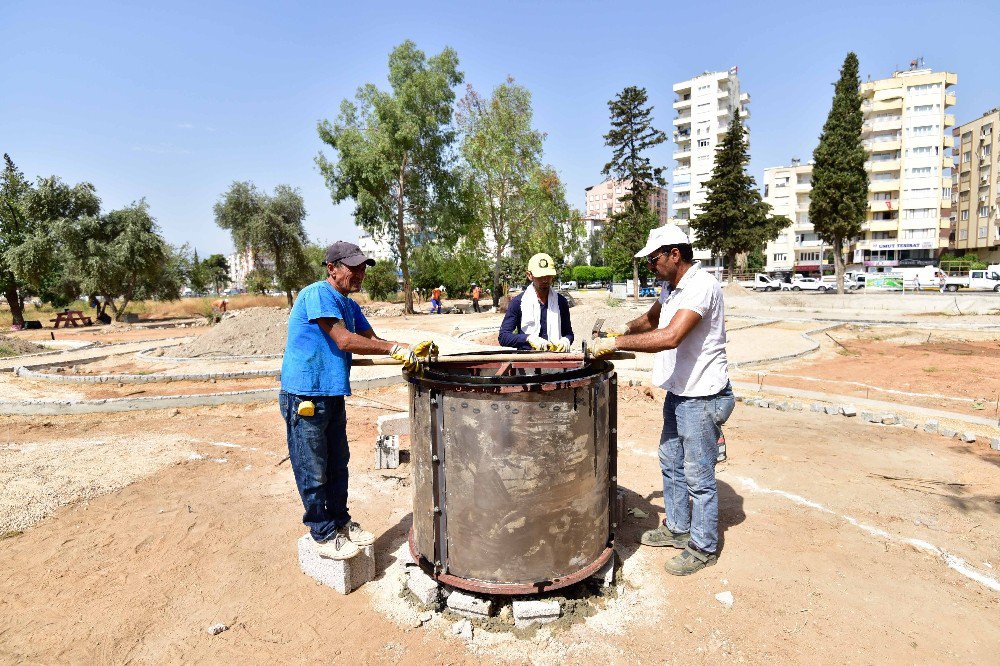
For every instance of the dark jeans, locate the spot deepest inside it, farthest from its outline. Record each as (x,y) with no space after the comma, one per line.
(475,305)
(689,446)
(318,451)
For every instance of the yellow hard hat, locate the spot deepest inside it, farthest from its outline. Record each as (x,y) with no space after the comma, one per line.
(541,265)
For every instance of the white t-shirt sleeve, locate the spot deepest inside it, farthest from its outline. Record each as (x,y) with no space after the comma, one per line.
(697,297)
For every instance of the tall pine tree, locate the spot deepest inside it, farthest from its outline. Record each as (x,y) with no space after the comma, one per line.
(632,134)
(839,198)
(734,219)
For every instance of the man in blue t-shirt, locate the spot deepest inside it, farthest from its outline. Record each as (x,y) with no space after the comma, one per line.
(325,328)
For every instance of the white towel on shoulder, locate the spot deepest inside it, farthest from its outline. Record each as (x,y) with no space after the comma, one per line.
(531,315)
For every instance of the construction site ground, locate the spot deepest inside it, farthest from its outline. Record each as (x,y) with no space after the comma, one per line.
(125,535)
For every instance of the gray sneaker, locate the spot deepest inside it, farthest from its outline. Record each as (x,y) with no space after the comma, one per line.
(661,536)
(357,535)
(690,561)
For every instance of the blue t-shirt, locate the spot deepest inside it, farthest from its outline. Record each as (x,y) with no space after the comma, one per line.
(313,364)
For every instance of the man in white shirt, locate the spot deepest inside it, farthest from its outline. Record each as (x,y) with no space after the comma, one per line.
(686,329)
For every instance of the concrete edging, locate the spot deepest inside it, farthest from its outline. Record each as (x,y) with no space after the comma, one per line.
(141,379)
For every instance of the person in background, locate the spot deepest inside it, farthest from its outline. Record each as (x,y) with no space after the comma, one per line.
(325,328)
(476,295)
(436,300)
(538,318)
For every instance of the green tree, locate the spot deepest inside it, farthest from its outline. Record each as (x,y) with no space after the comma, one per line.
(380,281)
(735,219)
(551,226)
(632,135)
(260,280)
(315,254)
(196,278)
(216,269)
(393,152)
(269,227)
(839,197)
(503,154)
(595,248)
(14,227)
(121,255)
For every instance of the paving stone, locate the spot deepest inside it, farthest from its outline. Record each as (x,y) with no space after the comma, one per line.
(848,410)
(912,425)
(867,416)
(968,437)
(781,406)
(387,452)
(536,611)
(816,407)
(763,403)
(423,587)
(874,418)
(890,419)
(931,426)
(995,443)
(797,406)
(394,424)
(345,576)
(947,432)
(832,409)
(468,604)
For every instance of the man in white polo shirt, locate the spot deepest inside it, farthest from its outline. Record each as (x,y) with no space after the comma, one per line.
(686,329)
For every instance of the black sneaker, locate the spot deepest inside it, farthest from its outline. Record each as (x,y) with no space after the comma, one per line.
(690,561)
(662,536)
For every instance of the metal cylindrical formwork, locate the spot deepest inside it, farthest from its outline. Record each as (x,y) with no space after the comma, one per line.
(514,472)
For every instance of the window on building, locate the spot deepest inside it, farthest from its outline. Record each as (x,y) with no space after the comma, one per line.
(963,234)
(984,211)
(916,234)
(946,193)
(923,108)
(703,143)
(922,171)
(982,232)
(921,150)
(919,191)
(923,88)
(882,196)
(987,151)
(964,215)
(922,130)
(781,256)
(966,156)
(884,215)
(883,235)
(918,213)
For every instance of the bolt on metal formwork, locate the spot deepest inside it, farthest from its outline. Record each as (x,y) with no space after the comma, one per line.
(514,471)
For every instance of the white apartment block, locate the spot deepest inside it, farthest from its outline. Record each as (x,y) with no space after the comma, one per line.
(705,106)
(798,249)
(240,265)
(906,135)
(378,250)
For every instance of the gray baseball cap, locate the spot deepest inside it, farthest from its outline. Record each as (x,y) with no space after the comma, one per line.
(346,253)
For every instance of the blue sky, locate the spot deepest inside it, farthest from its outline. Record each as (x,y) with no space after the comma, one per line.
(175,101)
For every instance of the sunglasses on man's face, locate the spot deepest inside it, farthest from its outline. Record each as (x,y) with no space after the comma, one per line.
(653,258)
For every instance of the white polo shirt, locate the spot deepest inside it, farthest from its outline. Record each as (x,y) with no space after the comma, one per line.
(698,367)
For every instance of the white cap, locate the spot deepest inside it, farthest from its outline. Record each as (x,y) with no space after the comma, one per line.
(668,234)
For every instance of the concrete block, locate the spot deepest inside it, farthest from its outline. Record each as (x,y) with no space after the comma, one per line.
(470,605)
(816,407)
(875,418)
(831,409)
(866,416)
(797,407)
(394,424)
(423,587)
(848,410)
(387,452)
(535,612)
(947,432)
(995,443)
(931,426)
(344,576)
(912,425)
(781,406)
(606,574)
(968,437)
(890,419)
(763,403)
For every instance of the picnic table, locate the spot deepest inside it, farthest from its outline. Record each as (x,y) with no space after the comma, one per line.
(74,317)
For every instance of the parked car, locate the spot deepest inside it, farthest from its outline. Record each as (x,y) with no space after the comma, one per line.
(594,285)
(571,284)
(977,279)
(809,284)
(761,282)
(647,291)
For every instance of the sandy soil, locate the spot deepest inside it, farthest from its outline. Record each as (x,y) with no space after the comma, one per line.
(815,528)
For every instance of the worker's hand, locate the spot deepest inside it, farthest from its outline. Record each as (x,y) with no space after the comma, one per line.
(538,343)
(562,345)
(425,349)
(616,331)
(601,347)
(405,356)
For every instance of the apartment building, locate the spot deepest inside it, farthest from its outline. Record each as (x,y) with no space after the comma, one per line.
(798,249)
(907,139)
(604,199)
(975,190)
(376,248)
(705,106)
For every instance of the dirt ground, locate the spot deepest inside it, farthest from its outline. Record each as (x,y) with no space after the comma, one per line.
(815,549)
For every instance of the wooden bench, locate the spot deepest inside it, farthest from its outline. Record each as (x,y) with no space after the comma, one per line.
(71,317)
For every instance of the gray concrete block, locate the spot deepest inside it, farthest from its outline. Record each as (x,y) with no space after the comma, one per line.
(947,432)
(890,419)
(797,407)
(781,406)
(867,416)
(763,403)
(931,426)
(816,407)
(394,424)
(423,587)
(606,574)
(536,611)
(832,409)
(875,418)
(848,410)
(470,605)
(387,452)
(912,425)
(344,576)
(995,443)
(968,437)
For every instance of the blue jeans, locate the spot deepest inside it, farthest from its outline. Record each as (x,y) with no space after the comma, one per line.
(318,451)
(689,446)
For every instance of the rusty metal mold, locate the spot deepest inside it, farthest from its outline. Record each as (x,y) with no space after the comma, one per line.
(514,473)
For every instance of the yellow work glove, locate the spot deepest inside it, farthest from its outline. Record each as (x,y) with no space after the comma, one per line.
(600,347)
(538,343)
(405,356)
(616,331)
(425,349)
(561,346)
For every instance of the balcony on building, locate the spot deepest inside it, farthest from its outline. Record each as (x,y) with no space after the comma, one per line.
(889,185)
(948,142)
(683,101)
(883,205)
(949,120)
(949,99)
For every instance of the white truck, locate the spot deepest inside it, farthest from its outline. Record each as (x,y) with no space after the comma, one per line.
(760,282)
(924,277)
(985,280)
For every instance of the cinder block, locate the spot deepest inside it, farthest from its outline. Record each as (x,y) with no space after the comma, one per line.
(387,452)
(866,416)
(394,424)
(470,605)
(781,406)
(763,403)
(816,407)
(535,612)
(848,410)
(606,574)
(968,437)
(890,419)
(947,432)
(797,407)
(995,443)
(875,418)
(423,587)
(831,409)
(344,576)
(931,426)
